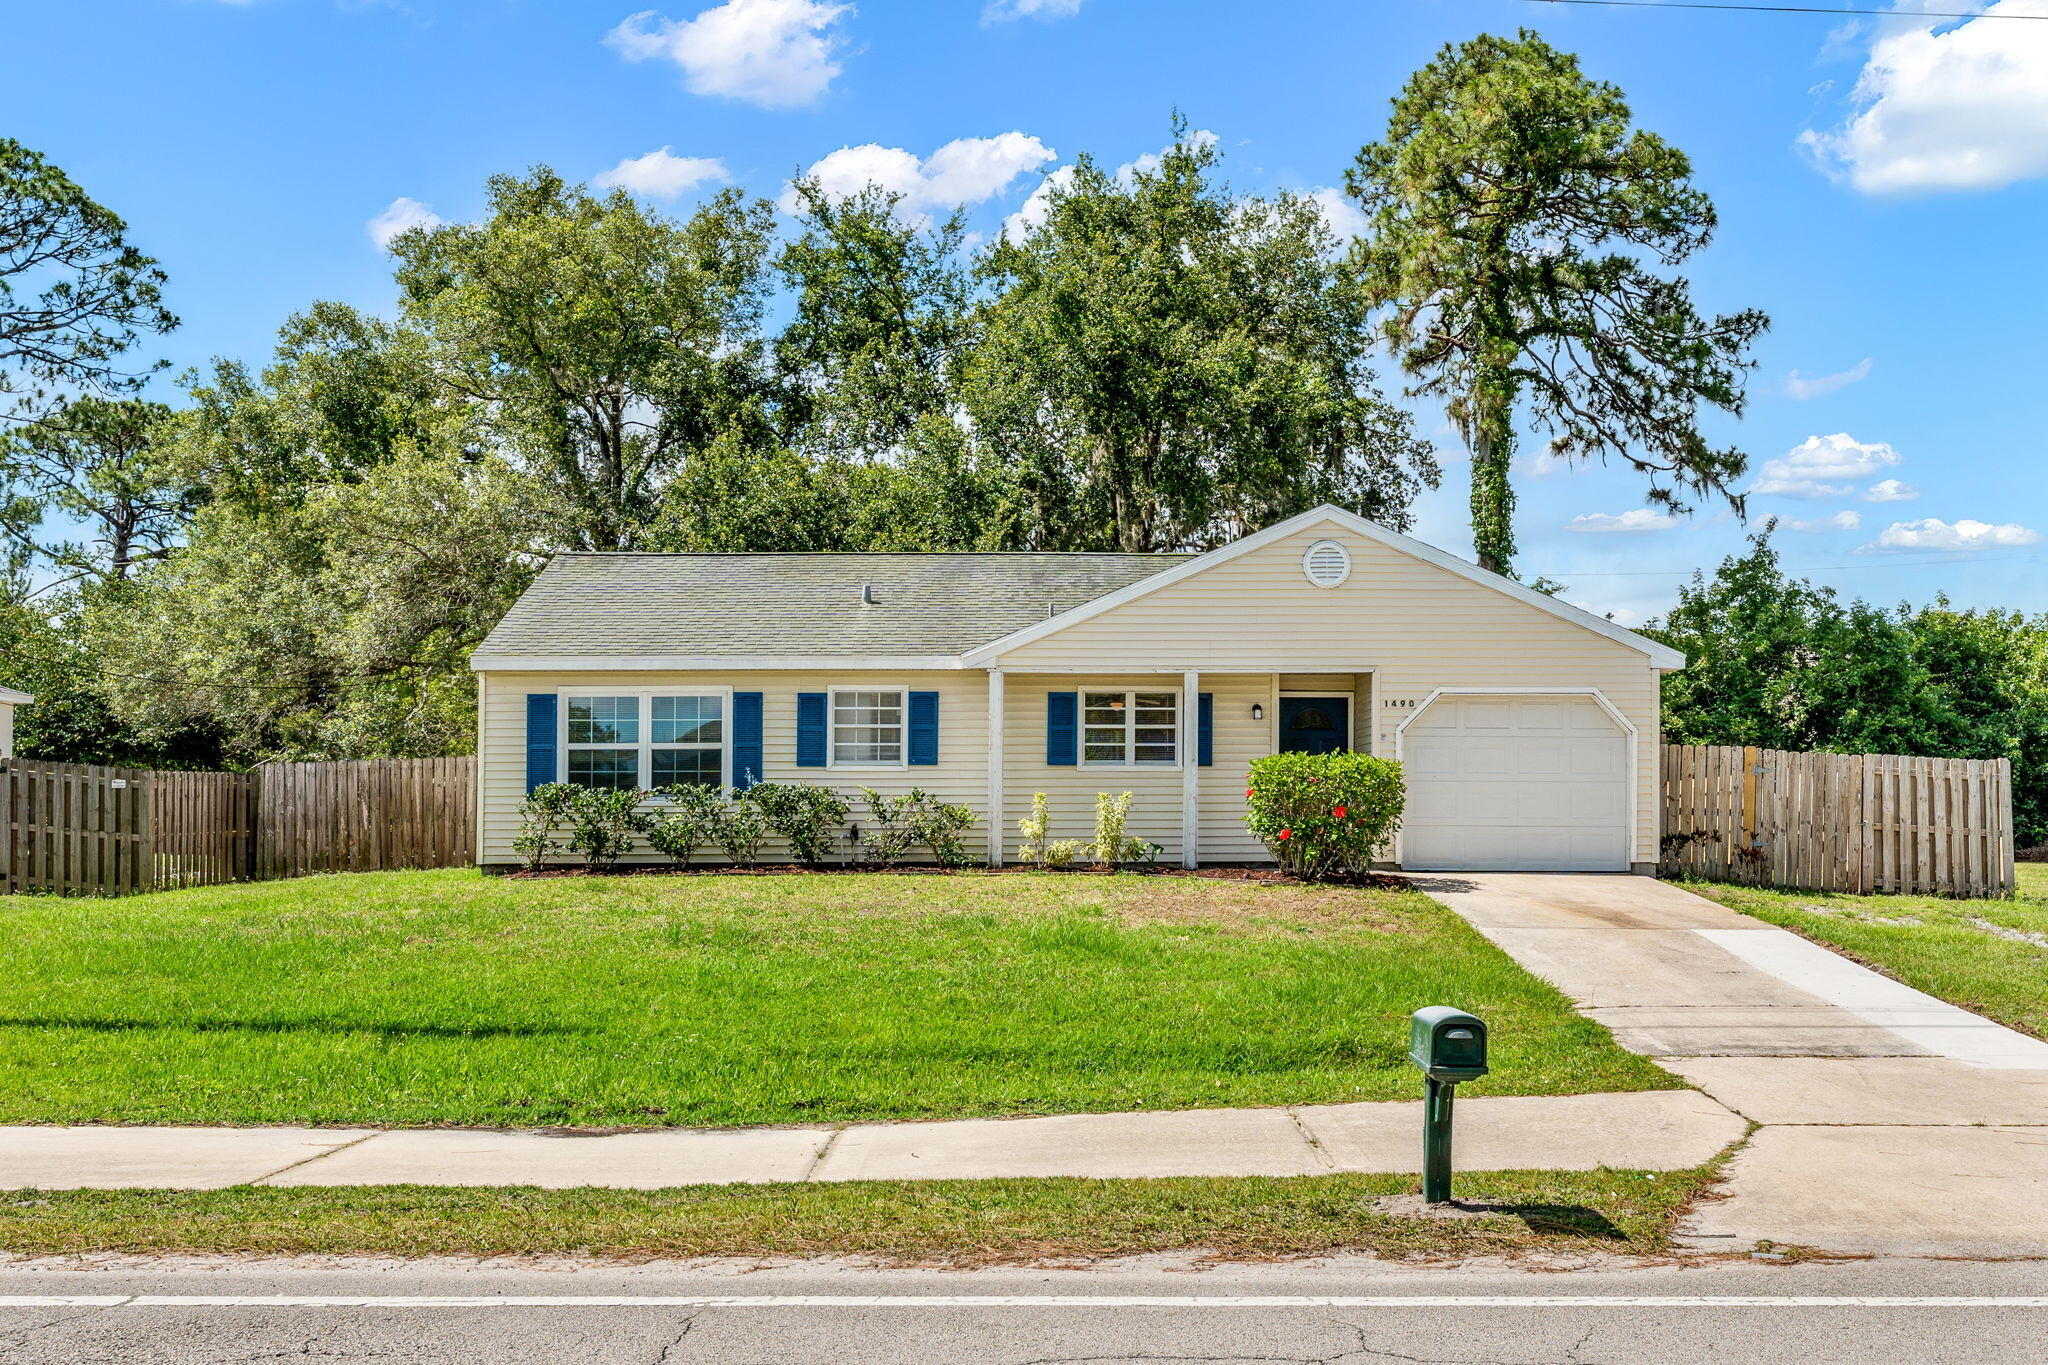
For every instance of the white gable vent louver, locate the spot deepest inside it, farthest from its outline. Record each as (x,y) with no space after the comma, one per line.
(1326,563)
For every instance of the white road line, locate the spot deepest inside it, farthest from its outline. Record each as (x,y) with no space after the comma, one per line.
(1392,1301)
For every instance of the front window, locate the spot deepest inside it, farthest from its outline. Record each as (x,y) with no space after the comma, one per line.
(646,739)
(1130,727)
(867,728)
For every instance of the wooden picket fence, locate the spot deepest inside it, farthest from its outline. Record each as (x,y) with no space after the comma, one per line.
(74,828)
(1839,822)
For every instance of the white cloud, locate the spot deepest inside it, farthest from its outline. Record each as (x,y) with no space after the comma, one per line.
(1890,490)
(1343,217)
(1804,386)
(1640,519)
(773,53)
(1960,109)
(966,170)
(1824,467)
(1840,521)
(401,216)
(1934,534)
(999,11)
(662,174)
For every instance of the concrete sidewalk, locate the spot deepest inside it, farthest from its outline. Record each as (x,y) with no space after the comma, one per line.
(1891,1122)
(1649,1130)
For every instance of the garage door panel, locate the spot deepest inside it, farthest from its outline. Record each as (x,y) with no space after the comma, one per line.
(1537,783)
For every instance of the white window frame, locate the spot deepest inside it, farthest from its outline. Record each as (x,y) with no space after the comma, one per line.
(832,695)
(646,746)
(1130,696)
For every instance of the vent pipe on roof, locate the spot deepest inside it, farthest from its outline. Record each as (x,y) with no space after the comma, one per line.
(867,594)
(1051,609)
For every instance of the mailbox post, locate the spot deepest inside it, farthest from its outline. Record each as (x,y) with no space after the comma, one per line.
(1450,1046)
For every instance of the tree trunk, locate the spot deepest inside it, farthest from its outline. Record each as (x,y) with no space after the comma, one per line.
(1493,495)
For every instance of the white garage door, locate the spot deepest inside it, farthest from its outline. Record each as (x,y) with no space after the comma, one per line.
(1526,783)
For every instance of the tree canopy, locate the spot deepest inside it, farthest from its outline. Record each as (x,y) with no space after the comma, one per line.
(1518,224)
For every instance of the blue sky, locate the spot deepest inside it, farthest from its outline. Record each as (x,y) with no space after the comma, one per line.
(1881,184)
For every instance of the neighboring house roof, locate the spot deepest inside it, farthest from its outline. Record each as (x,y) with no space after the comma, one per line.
(10,697)
(730,607)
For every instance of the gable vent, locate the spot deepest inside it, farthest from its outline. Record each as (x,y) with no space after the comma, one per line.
(1326,563)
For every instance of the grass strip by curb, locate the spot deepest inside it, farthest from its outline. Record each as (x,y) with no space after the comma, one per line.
(953,1222)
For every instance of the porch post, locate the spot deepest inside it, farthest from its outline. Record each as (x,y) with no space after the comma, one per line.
(995,767)
(1190,767)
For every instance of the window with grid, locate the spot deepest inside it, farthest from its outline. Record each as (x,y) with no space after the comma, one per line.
(686,741)
(867,727)
(642,740)
(1130,727)
(604,742)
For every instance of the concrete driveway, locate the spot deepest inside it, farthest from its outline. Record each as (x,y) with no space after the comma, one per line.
(1890,1122)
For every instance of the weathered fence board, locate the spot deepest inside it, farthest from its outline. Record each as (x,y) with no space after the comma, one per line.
(70,828)
(1839,822)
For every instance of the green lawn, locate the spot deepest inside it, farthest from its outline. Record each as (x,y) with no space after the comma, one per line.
(1990,956)
(454,998)
(939,1221)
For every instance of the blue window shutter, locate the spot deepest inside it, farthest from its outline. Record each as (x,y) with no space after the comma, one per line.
(540,739)
(1061,709)
(924,728)
(810,729)
(1205,729)
(746,739)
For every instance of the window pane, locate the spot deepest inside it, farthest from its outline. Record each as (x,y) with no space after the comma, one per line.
(1155,753)
(700,767)
(867,727)
(688,720)
(604,720)
(1105,753)
(1164,736)
(614,769)
(1156,700)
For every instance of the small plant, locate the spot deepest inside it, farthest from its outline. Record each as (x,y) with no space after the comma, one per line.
(807,818)
(889,832)
(738,829)
(1112,844)
(689,821)
(542,816)
(605,823)
(1034,827)
(1061,853)
(1324,814)
(937,825)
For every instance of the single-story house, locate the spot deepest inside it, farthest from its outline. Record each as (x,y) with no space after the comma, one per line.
(9,699)
(1528,727)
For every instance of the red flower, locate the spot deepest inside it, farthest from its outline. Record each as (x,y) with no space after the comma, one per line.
(1287,834)
(1338,812)
(1247,791)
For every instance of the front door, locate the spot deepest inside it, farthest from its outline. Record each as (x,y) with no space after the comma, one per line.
(1314,725)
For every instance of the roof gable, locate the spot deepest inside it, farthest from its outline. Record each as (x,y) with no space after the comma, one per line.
(1659,656)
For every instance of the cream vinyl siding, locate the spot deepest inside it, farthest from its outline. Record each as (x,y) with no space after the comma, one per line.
(959,775)
(1414,626)
(6,729)
(1070,790)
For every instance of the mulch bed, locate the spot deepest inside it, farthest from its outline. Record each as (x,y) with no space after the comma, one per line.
(1273,876)
(2037,854)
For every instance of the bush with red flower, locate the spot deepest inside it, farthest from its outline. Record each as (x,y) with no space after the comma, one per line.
(1324,815)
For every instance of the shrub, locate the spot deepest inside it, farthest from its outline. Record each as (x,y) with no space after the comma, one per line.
(605,822)
(739,830)
(889,833)
(1324,814)
(808,818)
(937,825)
(542,815)
(1061,853)
(1034,827)
(1112,845)
(689,822)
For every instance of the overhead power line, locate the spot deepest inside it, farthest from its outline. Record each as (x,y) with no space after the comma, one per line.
(1791,9)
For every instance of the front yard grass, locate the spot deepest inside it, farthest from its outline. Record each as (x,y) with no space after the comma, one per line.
(451,997)
(919,1222)
(1990,956)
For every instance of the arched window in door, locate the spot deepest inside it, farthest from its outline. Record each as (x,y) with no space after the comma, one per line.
(1312,718)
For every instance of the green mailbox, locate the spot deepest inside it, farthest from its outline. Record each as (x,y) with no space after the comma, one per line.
(1448,1044)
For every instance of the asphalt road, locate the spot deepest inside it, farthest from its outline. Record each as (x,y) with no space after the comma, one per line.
(1356,1312)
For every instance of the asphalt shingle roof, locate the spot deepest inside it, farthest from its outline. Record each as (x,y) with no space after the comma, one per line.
(625,605)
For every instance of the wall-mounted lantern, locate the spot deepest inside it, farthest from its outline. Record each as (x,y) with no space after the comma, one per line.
(1258,711)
